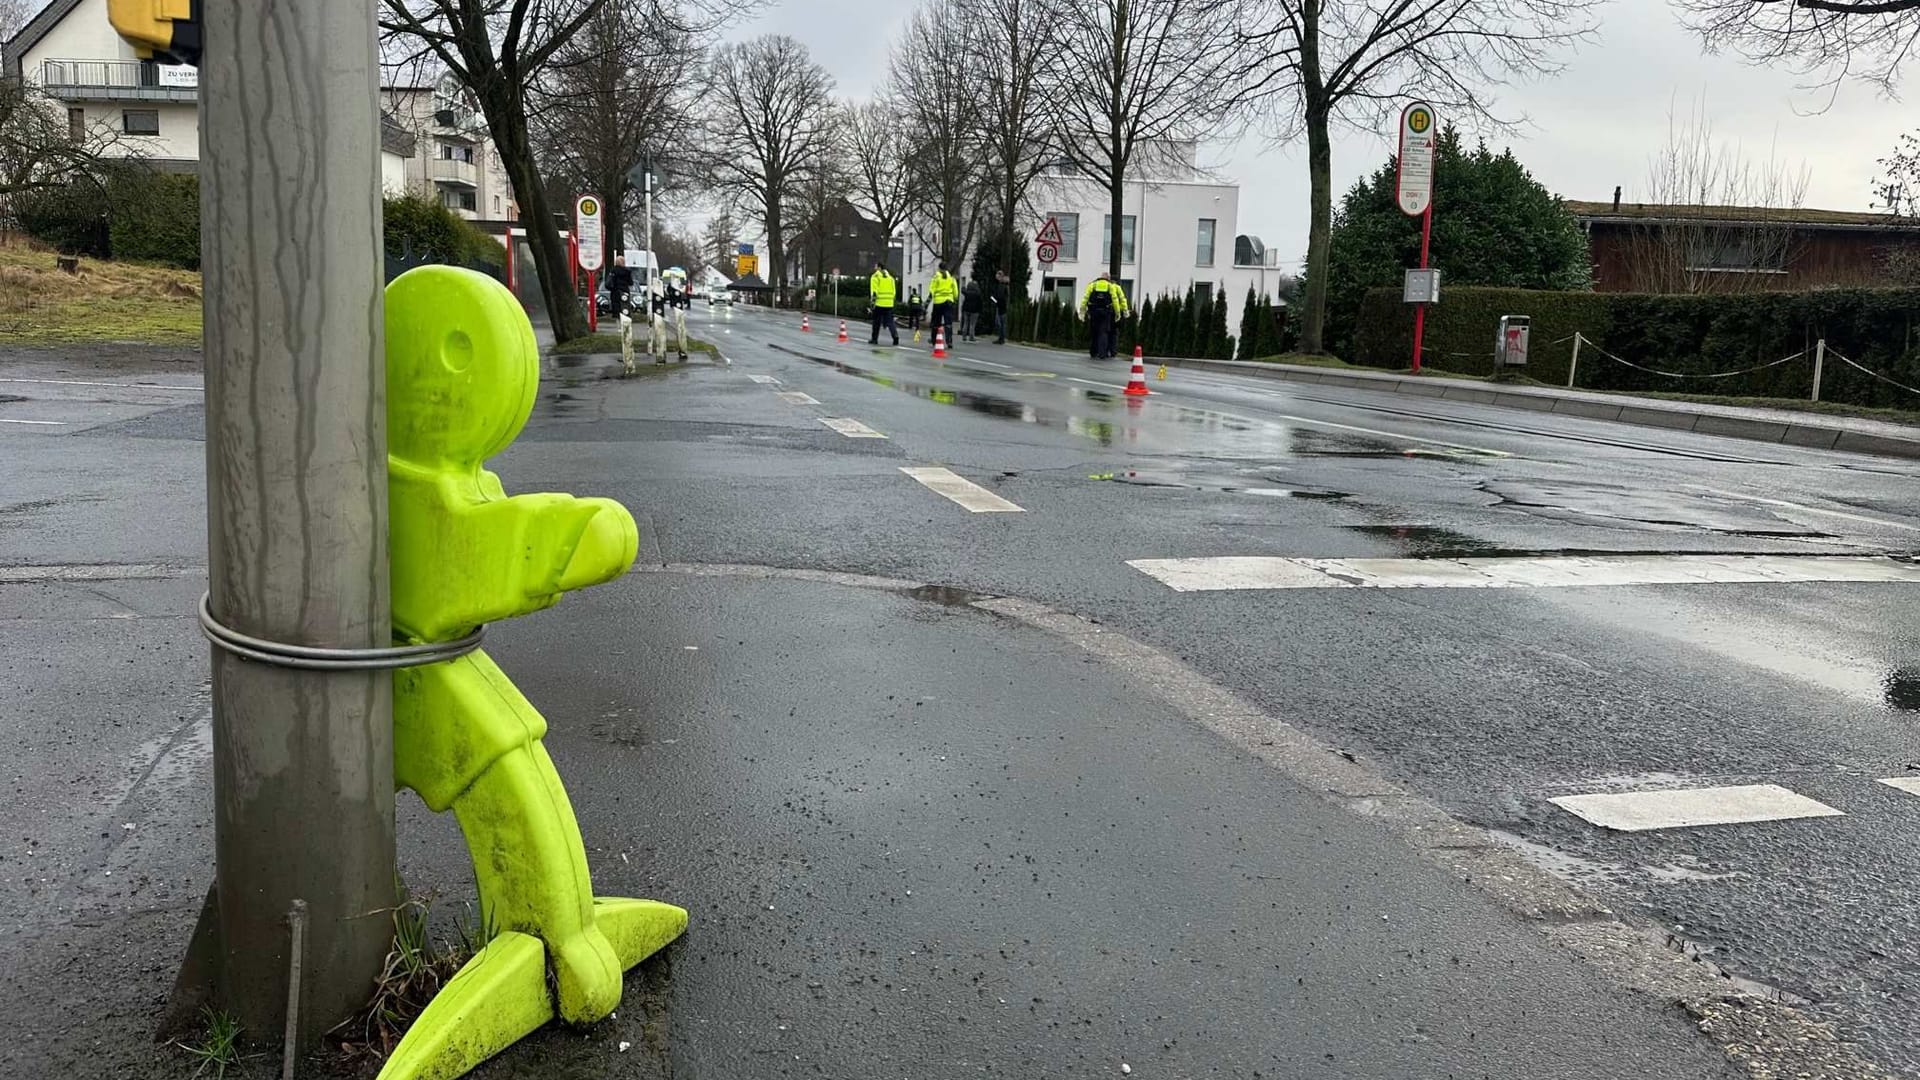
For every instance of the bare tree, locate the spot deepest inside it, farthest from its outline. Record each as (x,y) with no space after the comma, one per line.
(1136,84)
(38,148)
(614,96)
(1825,40)
(1724,222)
(1317,62)
(498,50)
(817,204)
(935,77)
(1016,40)
(878,184)
(718,241)
(14,15)
(770,131)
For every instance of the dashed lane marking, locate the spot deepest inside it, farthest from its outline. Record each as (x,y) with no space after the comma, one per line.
(796,397)
(36,423)
(1640,811)
(1222,573)
(1908,784)
(1090,382)
(958,488)
(113,385)
(852,429)
(765,380)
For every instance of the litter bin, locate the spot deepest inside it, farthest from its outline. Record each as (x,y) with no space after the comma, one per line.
(1510,347)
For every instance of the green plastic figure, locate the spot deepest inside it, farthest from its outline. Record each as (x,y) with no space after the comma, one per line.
(462,374)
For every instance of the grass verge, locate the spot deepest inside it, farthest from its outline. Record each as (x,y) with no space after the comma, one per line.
(218,1049)
(105,301)
(416,968)
(610,343)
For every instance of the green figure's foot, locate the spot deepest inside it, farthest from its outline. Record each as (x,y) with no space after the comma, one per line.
(637,928)
(497,999)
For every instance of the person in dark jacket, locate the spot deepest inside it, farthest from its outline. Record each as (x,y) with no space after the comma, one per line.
(914,307)
(997,304)
(619,284)
(972,301)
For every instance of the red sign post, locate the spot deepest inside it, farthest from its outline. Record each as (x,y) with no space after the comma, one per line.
(1413,190)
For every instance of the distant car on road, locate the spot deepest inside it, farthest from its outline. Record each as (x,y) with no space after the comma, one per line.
(719,296)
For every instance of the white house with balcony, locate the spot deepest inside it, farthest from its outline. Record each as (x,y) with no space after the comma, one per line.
(135,107)
(1178,228)
(454,161)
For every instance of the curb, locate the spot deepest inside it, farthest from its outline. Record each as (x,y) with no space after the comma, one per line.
(1640,412)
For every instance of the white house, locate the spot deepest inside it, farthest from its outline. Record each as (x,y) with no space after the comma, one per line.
(455,160)
(1178,228)
(149,110)
(430,141)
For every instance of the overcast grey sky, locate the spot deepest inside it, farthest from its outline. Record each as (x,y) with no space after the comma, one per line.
(1592,127)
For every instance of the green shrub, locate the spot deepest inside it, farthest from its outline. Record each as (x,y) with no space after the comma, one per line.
(154,216)
(1462,326)
(419,230)
(71,219)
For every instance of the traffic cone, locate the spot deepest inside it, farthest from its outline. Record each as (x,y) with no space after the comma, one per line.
(805,326)
(1137,381)
(940,344)
(843,331)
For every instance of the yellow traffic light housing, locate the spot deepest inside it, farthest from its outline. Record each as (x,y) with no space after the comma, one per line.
(163,30)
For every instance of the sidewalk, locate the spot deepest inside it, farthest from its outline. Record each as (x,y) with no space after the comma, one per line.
(919,837)
(1858,436)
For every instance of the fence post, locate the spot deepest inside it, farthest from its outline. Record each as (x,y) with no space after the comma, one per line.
(1819,365)
(1573,365)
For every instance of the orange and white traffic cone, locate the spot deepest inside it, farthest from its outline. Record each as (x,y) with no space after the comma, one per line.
(805,326)
(843,332)
(1137,382)
(940,344)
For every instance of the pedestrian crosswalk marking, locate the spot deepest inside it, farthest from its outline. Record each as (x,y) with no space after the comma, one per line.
(1640,811)
(852,429)
(1908,784)
(1221,573)
(795,397)
(959,489)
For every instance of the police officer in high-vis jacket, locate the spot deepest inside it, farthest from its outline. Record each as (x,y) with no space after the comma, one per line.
(1101,305)
(943,292)
(881,291)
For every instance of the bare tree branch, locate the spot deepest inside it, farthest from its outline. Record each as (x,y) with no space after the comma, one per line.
(1823,41)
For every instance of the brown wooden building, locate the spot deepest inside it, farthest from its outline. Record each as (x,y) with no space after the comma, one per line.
(1726,249)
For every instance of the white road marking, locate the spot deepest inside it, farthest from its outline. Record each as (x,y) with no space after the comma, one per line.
(852,429)
(985,363)
(1219,573)
(765,380)
(958,488)
(1090,382)
(795,397)
(1908,784)
(114,385)
(1638,811)
(38,423)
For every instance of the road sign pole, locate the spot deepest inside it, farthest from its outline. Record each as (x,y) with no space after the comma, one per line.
(1420,309)
(593,306)
(296,512)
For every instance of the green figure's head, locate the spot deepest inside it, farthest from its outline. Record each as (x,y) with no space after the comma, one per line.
(462,368)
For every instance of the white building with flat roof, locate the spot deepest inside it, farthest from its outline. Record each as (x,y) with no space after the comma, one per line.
(135,107)
(1178,228)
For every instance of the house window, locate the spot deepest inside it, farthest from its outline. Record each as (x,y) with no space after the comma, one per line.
(140,121)
(1204,288)
(77,125)
(1744,251)
(496,206)
(454,199)
(1203,243)
(450,152)
(1069,235)
(1126,238)
(1059,285)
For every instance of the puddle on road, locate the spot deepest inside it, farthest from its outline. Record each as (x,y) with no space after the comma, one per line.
(1618,506)
(1902,689)
(1432,541)
(948,595)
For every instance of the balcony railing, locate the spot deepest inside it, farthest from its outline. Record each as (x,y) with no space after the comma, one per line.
(454,171)
(122,80)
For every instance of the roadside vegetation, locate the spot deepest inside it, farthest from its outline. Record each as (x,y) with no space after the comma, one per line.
(103,300)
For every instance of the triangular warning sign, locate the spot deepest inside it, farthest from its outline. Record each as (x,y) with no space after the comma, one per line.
(1049,233)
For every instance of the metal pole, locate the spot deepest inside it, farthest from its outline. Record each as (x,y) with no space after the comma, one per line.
(649,225)
(1574,364)
(296,507)
(1819,365)
(1420,310)
(593,305)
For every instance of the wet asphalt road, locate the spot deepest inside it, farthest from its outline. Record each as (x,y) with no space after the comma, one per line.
(1487,702)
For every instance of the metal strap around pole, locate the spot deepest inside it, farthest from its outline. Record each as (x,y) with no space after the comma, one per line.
(315,658)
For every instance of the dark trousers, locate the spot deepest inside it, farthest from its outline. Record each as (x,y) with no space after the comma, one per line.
(883,316)
(999,326)
(943,316)
(969,324)
(1100,326)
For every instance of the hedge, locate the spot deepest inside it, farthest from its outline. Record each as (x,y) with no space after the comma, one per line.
(1692,335)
